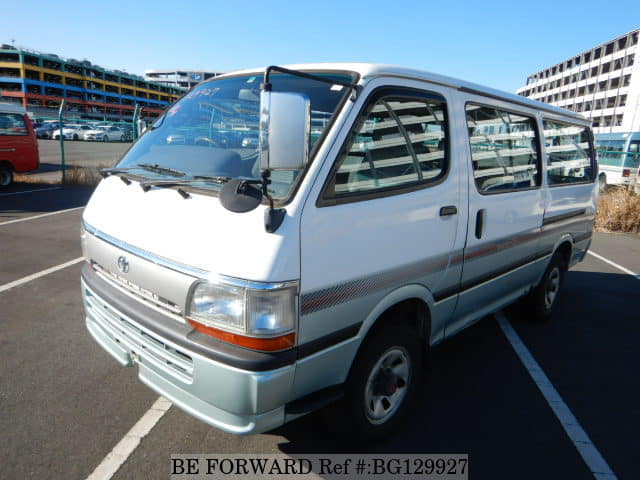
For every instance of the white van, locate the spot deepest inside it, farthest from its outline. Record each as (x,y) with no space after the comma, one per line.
(382,210)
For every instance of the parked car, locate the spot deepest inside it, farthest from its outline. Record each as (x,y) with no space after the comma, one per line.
(316,269)
(71,132)
(45,130)
(105,134)
(18,143)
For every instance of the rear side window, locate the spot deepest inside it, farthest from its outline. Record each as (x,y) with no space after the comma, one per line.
(400,141)
(504,149)
(569,153)
(12,124)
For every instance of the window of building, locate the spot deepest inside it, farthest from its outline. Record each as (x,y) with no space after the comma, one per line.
(617,64)
(587,57)
(608,49)
(611,102)
(629,60)
(553,70)
(602,86)
(400,141)
(594,71)
(549,99)
(595,123)
(574,78)
(587,106)
(576,61)
(504,149)
(561,68)
(591,88)
(569,153)
(596,53)
(618,121)
(578,107)
(572,93)
(581,91)
(626,80)
(566,80)
(564,95)
(622,101)
(606,121)
(634,38)
(569,64)
(622,43)
(546,73)
(606,67)
(599,104)
(615,82)
(555,97)
(583,75)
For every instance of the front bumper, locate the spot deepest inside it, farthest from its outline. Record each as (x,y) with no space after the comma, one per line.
(232,399)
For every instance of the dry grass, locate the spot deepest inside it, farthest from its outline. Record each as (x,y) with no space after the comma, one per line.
(618,211)
(74,175)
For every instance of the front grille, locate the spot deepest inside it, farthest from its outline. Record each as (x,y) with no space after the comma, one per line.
(136,290)
(141,342)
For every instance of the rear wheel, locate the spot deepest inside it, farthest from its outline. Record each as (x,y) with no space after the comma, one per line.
(105,139)
(6,176)
(75,136)
(544,298)
(382,383)
(122,138)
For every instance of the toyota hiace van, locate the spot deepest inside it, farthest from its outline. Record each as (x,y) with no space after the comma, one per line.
(381,211)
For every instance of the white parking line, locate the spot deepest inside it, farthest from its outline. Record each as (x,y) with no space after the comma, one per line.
(39,216)
(130,441)
(590,454)
(614,264)
(30,191)
(28,278)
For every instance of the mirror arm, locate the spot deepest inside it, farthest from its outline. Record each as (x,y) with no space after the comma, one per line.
(266,84)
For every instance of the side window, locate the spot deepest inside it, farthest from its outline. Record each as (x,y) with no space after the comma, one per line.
(12,124)
(504,149)
(569,153)
(398,142)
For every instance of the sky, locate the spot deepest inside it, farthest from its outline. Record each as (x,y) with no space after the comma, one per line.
(492,43)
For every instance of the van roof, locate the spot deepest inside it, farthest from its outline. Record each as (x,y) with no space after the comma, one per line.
(12,108)
(368,71)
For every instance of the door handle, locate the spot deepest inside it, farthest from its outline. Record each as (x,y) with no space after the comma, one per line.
(448,210)
(481,218)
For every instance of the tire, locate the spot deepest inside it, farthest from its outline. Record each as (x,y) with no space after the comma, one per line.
(6,176)
(382,384)
(75,137)
(122,138)
(544,298)
(105,139)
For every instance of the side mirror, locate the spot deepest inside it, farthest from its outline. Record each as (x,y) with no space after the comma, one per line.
(285,125)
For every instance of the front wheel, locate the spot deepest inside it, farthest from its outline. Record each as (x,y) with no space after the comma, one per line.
(75,137)
(6,176)
(122,138)
(105,139)
(382,383)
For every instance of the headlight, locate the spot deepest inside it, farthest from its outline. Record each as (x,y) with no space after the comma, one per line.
(257,316)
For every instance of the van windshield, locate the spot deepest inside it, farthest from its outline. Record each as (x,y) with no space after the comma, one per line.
(213,130)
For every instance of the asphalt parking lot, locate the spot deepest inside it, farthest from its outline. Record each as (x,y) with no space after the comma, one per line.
(66,403)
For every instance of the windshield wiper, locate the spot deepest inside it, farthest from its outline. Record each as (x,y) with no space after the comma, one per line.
(146,185)
(154,167)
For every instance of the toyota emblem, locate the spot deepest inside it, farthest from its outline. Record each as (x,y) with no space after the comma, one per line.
(123,264)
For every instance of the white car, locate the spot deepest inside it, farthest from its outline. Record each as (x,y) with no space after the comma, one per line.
(105,133)
(71,132)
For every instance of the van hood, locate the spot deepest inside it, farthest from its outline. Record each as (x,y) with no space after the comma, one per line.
(197,231)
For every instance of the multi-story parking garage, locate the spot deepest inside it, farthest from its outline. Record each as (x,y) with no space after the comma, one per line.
(40,81)
(602,83)
(179,78)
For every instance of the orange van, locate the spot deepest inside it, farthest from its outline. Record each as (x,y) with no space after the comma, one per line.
(18,143)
